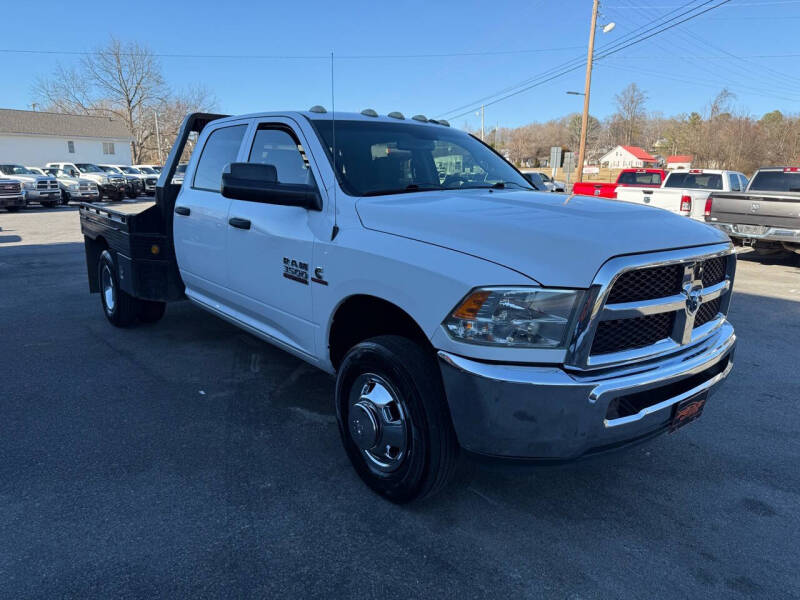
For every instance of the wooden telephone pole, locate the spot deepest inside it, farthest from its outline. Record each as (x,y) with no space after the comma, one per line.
(585,119)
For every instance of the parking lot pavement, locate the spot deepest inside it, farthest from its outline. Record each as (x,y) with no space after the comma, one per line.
(189,458)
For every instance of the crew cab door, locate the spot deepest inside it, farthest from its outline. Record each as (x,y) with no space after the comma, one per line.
(270,246)
(200,220)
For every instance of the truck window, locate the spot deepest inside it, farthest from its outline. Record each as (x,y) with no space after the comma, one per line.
(736,185)
(695,181)
(277,147)
(631,178)
(378,158)
(775,181)
(220,149)
(744,181)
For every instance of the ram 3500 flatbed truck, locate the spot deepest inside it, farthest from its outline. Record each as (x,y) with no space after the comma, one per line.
(460,310)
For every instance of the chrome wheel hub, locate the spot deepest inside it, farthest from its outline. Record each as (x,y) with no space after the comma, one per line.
(378,422)
(107,284)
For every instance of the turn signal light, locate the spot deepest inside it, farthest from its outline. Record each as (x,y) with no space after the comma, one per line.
(469,308)
(154,249)
(686,204)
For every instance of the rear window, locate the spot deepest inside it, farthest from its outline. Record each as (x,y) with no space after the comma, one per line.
(695,181)
(775,181)
(631,178)
(221,148)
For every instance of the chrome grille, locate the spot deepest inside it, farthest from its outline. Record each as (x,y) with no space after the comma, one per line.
(10,187)
(646,305)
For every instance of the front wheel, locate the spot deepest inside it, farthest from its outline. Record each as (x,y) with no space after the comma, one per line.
(119,307)
(394,420)
(49,204)
(12,208)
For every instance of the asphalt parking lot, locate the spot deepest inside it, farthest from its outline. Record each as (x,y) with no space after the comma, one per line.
(188,458)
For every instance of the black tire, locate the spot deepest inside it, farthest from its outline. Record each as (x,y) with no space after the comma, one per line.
(430,450)
(12,208)
(64,198)
(131,194)
(49,204)
(151,311)
(120,308)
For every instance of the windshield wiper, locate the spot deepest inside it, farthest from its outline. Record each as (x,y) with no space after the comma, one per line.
(412,187)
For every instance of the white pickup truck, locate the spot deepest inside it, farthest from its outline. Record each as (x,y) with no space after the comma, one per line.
(460,310)
(686,192)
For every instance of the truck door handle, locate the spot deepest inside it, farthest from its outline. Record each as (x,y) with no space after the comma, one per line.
(239,223)
(182,210)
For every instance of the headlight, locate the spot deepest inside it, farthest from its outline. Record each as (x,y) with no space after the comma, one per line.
(29,185)
(515,317)
(104,180)
(72,186)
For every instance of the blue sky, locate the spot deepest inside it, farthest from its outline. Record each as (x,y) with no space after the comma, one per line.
(680,70)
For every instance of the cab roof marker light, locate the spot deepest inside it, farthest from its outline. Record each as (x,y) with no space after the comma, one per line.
(421,118)
(396,115)
(368,112)
(443,122)
(317,109)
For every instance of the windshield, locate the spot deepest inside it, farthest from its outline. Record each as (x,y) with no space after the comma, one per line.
(775,181)
(633,178)
(131,170)
(147,170)
(376,158)
(180,169)
(15,170)
(695,181)
(156,169)
(88,168)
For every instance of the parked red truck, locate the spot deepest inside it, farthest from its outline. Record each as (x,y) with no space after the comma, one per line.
(627,177)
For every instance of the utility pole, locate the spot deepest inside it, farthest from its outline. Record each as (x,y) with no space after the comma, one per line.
(158,140)
(585,119)
(483,131)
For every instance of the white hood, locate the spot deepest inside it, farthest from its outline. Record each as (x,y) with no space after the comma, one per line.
(554,239)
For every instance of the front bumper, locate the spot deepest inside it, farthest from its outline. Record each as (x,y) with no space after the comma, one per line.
(18,200)
(50,195)
(758,232)
(111,189)
(547,413)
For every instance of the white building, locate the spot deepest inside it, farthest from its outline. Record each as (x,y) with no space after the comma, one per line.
(626,157)
(679,161)
(33,138)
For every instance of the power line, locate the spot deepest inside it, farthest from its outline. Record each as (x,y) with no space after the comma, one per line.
(576,62)
(605,53)
(299,56)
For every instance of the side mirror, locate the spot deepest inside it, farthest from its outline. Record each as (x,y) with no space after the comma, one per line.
(73,173)
(259,183)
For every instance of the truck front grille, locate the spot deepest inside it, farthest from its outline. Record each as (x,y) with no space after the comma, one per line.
(10,187)
(641,310)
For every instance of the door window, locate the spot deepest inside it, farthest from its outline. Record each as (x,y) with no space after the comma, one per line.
(277,147)
(220,149)
(736,186)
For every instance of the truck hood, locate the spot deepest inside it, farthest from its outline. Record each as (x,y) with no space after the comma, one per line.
(554,239)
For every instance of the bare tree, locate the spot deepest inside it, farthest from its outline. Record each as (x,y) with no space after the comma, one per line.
(121,80)
(631,114)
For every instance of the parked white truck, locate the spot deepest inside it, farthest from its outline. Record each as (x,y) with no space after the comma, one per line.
(460,310)
(686,192)
(36,188)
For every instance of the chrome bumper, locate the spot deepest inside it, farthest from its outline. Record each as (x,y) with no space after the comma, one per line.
(547,413)
(37,195)
(772,234)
